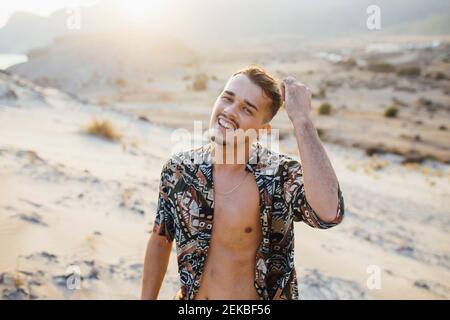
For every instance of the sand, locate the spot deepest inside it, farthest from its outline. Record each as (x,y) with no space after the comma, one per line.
(75,203)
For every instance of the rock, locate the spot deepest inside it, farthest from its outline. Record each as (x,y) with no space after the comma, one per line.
(315,285)
(16,294)
(48,257)
(138,266)
(7,94)
(144,118)
(93,274)
(413,159)
(405,250)
(31,217)
(421,284)
(60,280)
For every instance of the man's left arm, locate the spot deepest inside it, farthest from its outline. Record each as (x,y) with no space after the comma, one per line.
(320,181)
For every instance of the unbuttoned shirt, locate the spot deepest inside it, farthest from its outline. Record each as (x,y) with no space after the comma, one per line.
(185,212)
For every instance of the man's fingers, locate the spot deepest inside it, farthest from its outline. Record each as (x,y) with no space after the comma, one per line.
(290,83)
(289,80)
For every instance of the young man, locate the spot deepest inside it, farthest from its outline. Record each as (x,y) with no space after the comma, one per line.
(233,220)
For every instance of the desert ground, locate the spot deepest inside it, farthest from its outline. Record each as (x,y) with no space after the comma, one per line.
(72,199)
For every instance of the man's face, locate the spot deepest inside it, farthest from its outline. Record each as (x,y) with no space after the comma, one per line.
(242,107)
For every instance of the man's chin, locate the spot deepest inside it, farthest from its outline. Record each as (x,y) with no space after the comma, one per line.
(229,138)
(219,139)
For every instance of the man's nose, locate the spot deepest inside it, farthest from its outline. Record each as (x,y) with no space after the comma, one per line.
(231,110)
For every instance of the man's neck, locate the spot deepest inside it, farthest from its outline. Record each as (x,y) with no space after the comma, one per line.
(230,158)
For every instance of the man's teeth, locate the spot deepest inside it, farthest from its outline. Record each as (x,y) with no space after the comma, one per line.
(225,124)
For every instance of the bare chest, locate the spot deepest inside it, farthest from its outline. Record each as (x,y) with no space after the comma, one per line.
(236,217)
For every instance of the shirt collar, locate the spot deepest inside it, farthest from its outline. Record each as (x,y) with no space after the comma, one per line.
(254,163)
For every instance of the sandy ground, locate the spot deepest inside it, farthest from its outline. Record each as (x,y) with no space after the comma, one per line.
(73,203)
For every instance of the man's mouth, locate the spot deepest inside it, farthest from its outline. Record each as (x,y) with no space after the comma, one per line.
(226,124)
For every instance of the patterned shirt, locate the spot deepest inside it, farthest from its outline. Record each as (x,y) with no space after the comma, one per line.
(186,208)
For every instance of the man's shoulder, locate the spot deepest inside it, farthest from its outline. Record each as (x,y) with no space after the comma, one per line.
(186,159)
(267,158)
(273,158)
(289,162)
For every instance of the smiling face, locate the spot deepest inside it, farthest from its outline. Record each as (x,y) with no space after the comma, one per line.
(241,108)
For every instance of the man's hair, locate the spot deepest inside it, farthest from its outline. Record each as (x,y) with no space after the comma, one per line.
(267,83)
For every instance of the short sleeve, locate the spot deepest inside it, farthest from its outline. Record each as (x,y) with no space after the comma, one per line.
(299,206)
(165,212)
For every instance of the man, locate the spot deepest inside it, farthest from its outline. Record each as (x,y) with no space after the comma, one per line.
(233,220)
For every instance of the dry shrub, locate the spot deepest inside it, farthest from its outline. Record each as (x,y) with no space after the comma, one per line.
(382,67)
(200,82)
(391,112)
(103,129)
(325,109)
(409,71)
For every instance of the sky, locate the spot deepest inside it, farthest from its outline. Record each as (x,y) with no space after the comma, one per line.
(40,7)
(135,7)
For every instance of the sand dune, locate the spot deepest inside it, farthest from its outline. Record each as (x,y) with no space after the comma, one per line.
(61,209)
(71,201)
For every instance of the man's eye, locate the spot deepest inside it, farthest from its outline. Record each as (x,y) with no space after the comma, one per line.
(226,99)
(247,109)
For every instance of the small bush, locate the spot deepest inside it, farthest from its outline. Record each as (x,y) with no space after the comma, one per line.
(413,159)
(409,71)
(8,94)
(200,82)
(18,281)
(381,67)
(144,118)
(429,105)
(391,112)
(103,129)
(348,63)
(374,150)
(121,82)
(424,102)
(325,109)
(439,76)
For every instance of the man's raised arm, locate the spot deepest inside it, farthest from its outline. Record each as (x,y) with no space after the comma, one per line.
(320,181)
